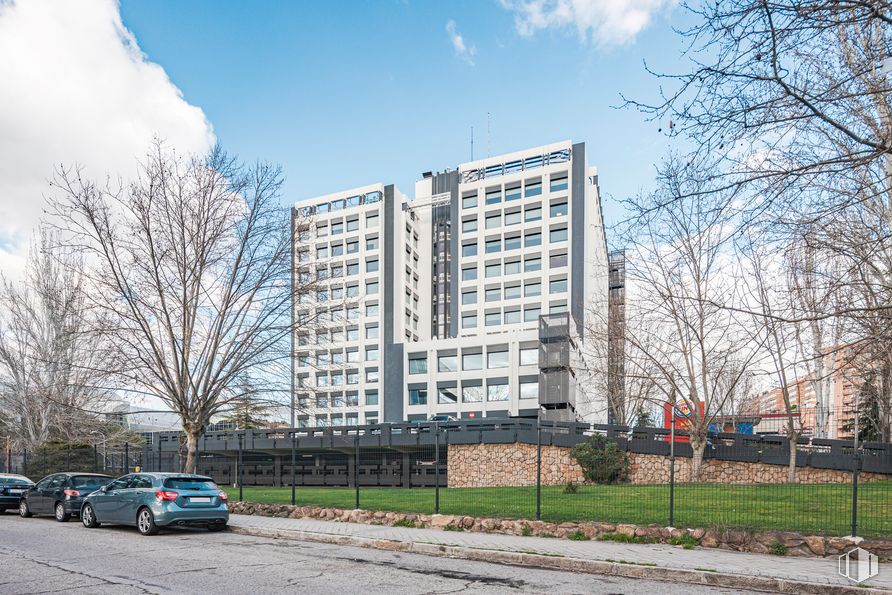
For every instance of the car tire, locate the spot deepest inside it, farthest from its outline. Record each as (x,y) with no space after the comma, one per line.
(214,527)
(24,511)
(88,517)
(145,522)
(60,514)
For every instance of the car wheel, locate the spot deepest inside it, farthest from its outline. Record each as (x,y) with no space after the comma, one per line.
(88,517)
(216,527)
(24,511)
(61,515)
(145,522)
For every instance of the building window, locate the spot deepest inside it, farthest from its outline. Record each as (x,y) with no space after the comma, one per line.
(494,196)
(532,239)
(512,193)
(493,319)
(557,260)
(512,243)
(559,184)
(371,418)
(352,419)
(352,355)
(469,321)
(493,295)
(529,356)
(557,308)
(533,214)
(447,396)
(532,264)
(557,286)
(447,363)
(352,269)
(472,394)
(322,253)
(321,379)
(352,247)
(512,267)
(322,401)
(531,314)
(469,273)
(468,297)
(337,400)
(371,288)
(493,246)
(371,354)
(532,289)
(337,228)
(558,235)
(558,209)
(469,202)
(371,332)
(512,316)
(497,359)
(352,290)
(371,266)
(469,249)
(512,292)
(352,377)
(371,375)
(371,221)
(469,225)
(371,244)
(472,361)
(496,392)
(493,270)
(352,224)
(417,396)
(371,397)
(353,334)
(371,309)
(533,188)
(418,365)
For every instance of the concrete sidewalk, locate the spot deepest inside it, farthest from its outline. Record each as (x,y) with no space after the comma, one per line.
(662,562)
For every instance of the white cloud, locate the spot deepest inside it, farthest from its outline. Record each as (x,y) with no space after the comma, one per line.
(76,89)
(604,22)
(462,50)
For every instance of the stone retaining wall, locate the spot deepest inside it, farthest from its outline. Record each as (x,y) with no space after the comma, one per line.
(794,544)
(491,465)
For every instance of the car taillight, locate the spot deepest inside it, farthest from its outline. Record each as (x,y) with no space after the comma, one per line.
(224,496)
(72,493)
(166,495)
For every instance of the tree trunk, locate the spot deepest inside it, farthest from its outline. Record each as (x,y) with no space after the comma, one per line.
(698,445)
(793,436)
(191,451)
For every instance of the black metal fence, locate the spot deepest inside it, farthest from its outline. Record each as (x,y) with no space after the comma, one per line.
(520,469)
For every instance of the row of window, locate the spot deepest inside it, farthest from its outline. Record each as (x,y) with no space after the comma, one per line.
(474,392)
(334,228)
(513,267)
(509,315)
(511,192)
(335,315)
(530,214)
(532,288)
(326,379)
(518,165)
(343,203)
(335,249)
(337,400)
(495,358)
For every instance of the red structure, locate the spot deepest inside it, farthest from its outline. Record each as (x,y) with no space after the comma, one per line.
(682,417)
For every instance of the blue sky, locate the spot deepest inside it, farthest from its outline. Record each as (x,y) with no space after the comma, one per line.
(347,93)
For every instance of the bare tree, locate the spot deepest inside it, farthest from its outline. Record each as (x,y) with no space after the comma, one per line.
(52,383)
(191,262)
(695,349)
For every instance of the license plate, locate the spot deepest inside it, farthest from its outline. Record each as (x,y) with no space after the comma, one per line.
(199,500)
(14,491)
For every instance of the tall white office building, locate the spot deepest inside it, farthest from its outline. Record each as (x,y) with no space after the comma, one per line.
(471,300)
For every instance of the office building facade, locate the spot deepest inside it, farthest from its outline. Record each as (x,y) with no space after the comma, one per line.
(470,300)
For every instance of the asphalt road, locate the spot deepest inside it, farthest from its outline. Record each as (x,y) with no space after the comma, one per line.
(40,555)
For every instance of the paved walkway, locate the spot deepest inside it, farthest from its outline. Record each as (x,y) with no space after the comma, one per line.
(821,571)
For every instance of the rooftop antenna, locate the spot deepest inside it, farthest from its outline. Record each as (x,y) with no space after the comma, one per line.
(488,144)
(472,143)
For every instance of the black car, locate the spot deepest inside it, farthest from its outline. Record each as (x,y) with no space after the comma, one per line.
(61,494)
(11,489)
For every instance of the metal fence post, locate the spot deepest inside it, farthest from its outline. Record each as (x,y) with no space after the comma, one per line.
(437,468)
(25,462)
(125,464)
(356,466)
(856,463)
(239,470)
(293,463)
(672,471)
(538,470)
(68,458)
(159,452)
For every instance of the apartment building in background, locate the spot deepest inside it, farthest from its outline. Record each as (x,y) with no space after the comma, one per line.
(469,300)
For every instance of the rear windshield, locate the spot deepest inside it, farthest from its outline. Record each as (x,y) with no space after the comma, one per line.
(12,479)
(189,483)
(83,481)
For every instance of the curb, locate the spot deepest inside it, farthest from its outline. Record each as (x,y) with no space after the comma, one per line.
(618,569)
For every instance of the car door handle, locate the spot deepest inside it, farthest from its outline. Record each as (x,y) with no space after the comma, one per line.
(113,493)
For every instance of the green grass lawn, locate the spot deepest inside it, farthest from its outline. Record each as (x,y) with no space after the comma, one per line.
(811,508)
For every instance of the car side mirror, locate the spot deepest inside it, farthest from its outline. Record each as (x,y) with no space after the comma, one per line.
(103,489)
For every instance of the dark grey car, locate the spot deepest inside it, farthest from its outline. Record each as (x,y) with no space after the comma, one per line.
(60,494)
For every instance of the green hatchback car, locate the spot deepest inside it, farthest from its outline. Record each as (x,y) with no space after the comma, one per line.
(154,500)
